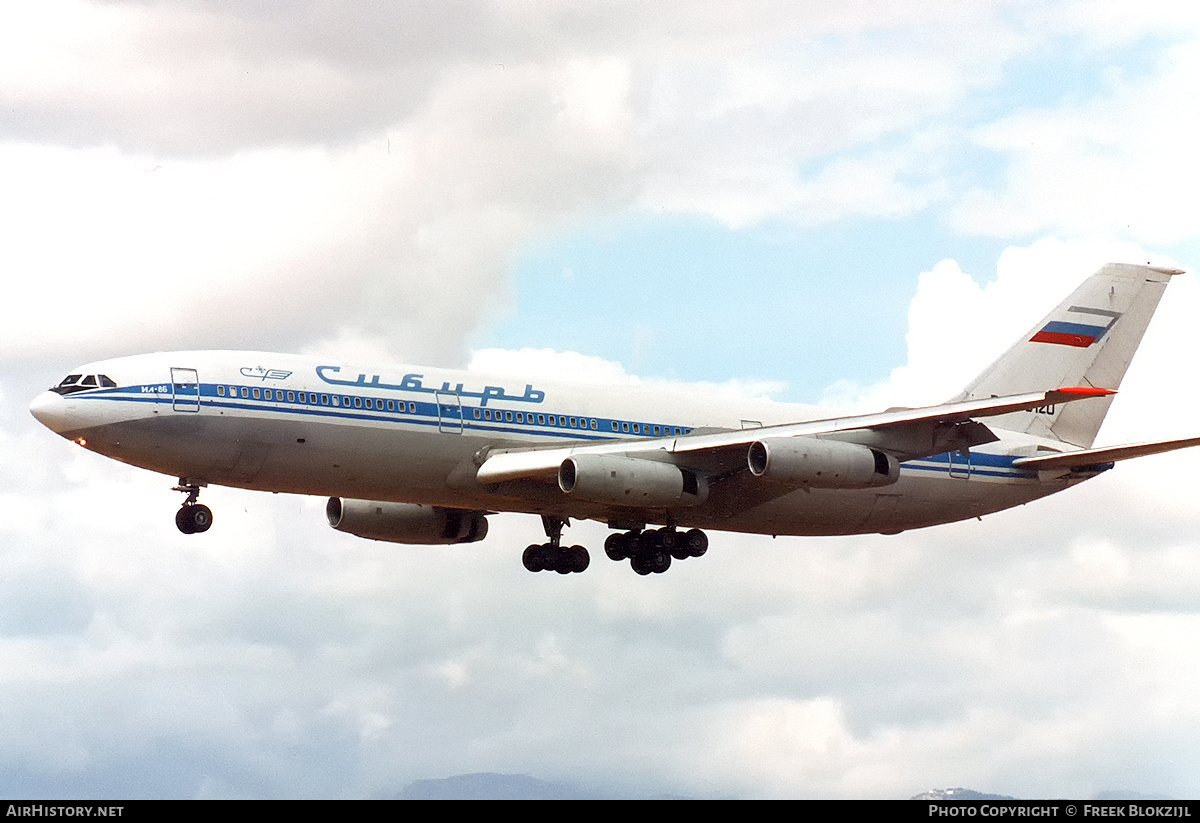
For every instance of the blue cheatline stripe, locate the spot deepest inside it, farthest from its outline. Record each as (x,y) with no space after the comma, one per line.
(982,465)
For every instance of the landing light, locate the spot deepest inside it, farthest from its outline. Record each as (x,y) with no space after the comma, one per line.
(81,441)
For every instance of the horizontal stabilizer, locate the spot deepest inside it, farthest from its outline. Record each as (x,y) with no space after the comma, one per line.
(1092,457)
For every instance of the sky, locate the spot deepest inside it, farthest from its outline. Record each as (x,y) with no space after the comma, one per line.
(853,204)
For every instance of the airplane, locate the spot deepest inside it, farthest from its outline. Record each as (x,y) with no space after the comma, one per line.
(424,455)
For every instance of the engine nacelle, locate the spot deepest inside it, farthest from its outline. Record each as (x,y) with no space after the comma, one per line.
(630,481)
(825,464)
(405,522)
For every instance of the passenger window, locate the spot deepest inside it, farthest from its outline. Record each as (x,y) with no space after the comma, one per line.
(257,394)
(220,391)
(245,392)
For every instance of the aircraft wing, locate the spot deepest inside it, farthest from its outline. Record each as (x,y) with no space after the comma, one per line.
(1095,457)
(906,433)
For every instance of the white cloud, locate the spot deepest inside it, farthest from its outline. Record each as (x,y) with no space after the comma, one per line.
(1120,163)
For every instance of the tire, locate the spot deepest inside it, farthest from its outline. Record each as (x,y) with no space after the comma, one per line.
(659,561)
(183,520)
(617,546)
(533,558)
(580,559)
(696,542)
(202,518)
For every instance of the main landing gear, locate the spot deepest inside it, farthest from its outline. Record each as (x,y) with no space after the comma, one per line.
(550,556)
(192,517)
(648,551)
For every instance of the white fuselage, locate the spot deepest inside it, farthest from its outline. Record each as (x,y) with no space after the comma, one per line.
(284,423)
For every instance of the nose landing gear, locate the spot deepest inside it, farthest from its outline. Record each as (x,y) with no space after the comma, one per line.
(192,517)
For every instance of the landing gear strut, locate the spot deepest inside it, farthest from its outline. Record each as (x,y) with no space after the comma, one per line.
(192,517)
(550,556)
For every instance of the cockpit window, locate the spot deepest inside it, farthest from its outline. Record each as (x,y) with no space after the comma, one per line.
(79,382)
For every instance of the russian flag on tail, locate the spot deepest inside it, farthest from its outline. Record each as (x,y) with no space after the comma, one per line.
(1079,335)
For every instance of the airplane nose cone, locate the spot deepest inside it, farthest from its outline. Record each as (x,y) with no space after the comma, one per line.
(50,409)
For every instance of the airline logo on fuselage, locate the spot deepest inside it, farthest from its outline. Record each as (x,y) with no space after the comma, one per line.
(1078,335)
(259,373)
(413,382)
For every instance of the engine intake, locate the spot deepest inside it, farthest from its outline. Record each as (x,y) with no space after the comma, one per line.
(405,522)
(825,464)
(630,481)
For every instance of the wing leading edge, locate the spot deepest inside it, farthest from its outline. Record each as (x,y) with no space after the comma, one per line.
(905,433)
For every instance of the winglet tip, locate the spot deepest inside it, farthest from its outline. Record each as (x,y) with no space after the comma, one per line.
(1084,391)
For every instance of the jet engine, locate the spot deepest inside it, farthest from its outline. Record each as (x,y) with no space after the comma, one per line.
(405,522)
(630,481)
(825,464)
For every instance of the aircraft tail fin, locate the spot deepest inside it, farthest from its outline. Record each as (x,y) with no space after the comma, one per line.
(1088,340)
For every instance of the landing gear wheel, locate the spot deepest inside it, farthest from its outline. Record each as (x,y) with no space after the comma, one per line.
(183,521)
(650,560)
(580,559)
(696,542)
(534,558)
(193,518)
(618,546)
